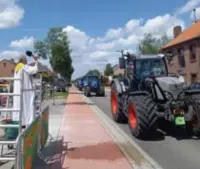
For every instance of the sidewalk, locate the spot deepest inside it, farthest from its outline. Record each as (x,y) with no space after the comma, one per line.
(85,143)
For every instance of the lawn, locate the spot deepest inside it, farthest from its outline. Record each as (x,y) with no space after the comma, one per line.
(57,95)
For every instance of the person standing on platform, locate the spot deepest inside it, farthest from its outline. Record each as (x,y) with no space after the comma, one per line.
(26,71)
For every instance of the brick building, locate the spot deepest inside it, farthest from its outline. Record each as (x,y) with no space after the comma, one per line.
(7,68)
(185,49)
(117,70)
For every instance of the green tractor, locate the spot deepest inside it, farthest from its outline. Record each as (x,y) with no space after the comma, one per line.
(146,94)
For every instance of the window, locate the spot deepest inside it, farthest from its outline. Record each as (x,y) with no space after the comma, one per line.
(192,49)
(146,67)
(193,77)
(181,57)
(4,64)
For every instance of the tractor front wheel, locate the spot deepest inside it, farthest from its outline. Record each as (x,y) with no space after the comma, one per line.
(117,106)
(102,91)
(193,126)
(87,91)
(196,117)
(142,116)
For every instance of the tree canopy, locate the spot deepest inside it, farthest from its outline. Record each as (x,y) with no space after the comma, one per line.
(108,70)
(55,46)
(151,45)
(93,72)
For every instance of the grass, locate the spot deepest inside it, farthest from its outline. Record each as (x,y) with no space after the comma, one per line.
(58,95)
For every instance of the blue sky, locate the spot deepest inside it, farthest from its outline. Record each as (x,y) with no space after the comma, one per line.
(96,29)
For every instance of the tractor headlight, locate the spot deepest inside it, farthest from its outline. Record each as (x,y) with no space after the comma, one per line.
(168,96)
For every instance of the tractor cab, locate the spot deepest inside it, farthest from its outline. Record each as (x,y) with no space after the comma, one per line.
(139,68)
(92,80)
(150,66)
(92,84)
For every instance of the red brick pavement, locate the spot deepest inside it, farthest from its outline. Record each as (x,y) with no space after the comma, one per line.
(86,144)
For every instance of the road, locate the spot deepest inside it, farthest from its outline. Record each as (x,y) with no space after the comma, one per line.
(168,151)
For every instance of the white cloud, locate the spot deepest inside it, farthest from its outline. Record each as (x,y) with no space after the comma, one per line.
(9,54)
(197,14)
(95,52)
(80,39)
(188,7)
(24,43)
(10,14)
(133,25)
(162,24)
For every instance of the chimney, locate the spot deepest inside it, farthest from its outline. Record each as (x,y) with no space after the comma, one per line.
(177,31)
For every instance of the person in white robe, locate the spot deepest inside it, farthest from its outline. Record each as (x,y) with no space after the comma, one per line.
(28,110)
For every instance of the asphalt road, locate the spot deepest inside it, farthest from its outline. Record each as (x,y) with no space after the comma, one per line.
(167,150)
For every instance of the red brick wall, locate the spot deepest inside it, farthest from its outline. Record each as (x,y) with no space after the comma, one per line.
(7,68)
(190,67)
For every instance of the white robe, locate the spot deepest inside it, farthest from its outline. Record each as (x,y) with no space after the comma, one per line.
(28,96)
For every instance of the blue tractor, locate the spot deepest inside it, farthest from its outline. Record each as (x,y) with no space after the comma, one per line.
(92,84)
(80,84)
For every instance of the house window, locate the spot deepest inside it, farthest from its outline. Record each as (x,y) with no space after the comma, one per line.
(181,57)
(4,64)
(169,55)
(193,77)
(192,53)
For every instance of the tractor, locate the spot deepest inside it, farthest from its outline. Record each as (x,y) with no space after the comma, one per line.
(147,95)
(93,84)
(80,84)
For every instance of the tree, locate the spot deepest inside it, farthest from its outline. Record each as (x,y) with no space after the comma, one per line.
(108,70)
(148,45)
(55,46)
(41,48)
(164,40)
(94,72)
(151,45)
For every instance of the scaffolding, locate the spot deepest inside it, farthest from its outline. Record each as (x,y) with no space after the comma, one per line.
(17,156)
(38,94)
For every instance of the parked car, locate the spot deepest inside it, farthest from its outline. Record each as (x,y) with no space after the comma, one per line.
(59,88)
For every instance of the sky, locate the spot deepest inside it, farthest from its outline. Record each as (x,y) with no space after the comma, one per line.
(96,29)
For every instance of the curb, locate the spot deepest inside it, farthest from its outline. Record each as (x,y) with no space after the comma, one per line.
(135,155)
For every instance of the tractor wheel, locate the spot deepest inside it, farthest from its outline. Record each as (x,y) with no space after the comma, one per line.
(102,91)
(142,116)
(87,91)
(196,118)
(117,106)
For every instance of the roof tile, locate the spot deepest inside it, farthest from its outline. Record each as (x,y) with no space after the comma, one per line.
(188,34)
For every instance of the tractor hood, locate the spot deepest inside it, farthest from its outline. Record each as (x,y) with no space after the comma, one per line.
(170,84)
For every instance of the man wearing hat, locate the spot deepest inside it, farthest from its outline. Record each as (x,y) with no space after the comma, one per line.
(26,71)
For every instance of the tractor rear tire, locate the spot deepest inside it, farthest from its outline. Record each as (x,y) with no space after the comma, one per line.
(142,117)
(87,91)
(117,106)
(102,91)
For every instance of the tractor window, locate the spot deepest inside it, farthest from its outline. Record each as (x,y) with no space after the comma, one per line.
(150,67)
(92,78)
